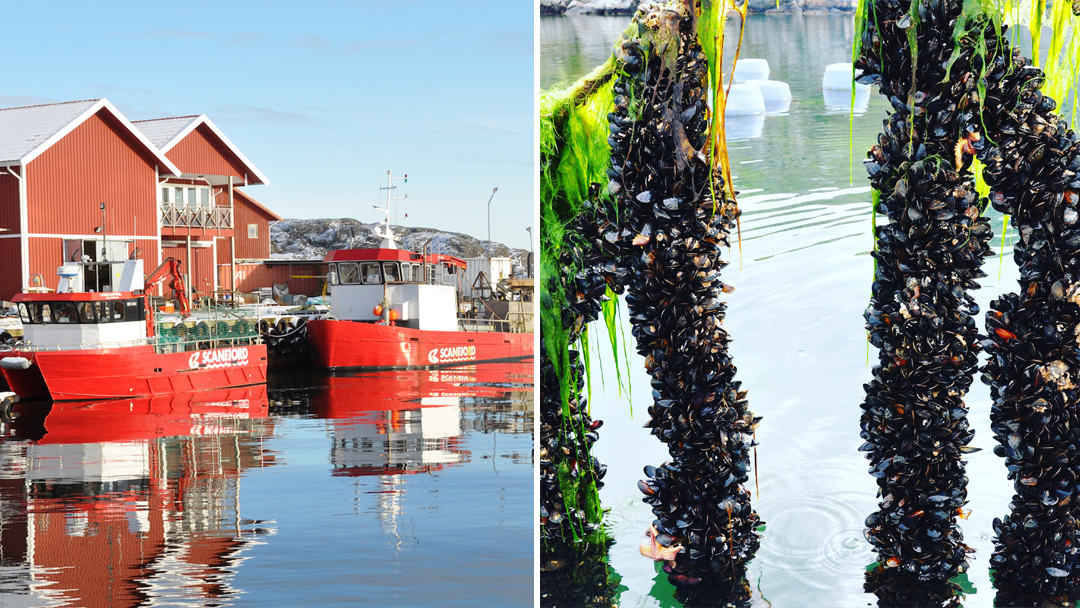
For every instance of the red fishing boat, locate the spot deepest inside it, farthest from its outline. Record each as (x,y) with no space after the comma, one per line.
(80,344)
(397,309)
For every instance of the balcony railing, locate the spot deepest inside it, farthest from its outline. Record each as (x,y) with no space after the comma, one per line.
(210,218)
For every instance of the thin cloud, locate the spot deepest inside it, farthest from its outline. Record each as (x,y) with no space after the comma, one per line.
(502,125)
(240,114)
(18,101)
(312,42)
(309,42)
(248,39)
(508,39)
(359,46)
(176,34)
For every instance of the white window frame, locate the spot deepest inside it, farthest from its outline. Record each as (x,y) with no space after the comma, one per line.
(250,230)
(184,203)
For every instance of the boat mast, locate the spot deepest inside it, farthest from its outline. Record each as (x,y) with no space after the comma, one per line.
(383,231)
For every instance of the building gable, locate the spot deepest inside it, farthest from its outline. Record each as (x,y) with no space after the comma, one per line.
(201,149)
(97,161)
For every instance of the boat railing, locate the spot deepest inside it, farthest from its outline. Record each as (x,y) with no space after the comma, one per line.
(181,346)
(160,345)
(520,322)
(485,325)
(31,347)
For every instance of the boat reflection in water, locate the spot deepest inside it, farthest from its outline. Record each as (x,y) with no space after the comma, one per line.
(402,422)
(387,425)
(138,502)
(129,502)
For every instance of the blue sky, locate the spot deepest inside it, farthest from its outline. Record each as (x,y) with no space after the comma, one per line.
(323,97)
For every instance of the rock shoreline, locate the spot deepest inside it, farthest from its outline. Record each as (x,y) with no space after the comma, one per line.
(627,7)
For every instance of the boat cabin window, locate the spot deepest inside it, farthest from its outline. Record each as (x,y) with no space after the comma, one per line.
(331,274)
(415,274)
(392,271)
(64,312)
(41,313)
(88,312)
(348,273)
(370,273)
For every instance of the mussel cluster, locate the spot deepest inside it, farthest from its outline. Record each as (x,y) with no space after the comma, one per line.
(1032,164)
(928,257)
(675,218)
(573,571)
(895,588)
(565,461)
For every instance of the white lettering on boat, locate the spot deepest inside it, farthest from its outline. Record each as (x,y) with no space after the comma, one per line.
(457,374)
(450,354)
(222,357)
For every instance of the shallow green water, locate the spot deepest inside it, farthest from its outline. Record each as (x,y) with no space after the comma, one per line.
(799,342)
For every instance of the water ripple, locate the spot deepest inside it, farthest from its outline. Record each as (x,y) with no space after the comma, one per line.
(814,543)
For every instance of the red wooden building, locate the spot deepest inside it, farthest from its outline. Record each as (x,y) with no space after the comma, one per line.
(170,187)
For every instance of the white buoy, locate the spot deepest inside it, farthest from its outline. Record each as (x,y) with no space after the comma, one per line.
(777,95)
(744,100)
(839,102)
(746,126)
(838,78)
(751,69)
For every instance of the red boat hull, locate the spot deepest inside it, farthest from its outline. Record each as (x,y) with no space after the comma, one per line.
(135,371)
(354,345)
(147,418)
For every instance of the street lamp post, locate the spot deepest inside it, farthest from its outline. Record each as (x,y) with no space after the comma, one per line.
(493,191)
(529,229)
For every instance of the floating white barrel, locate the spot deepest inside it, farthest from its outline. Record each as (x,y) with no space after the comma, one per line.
(751,69)
(777,95)
(838,78)
(746,126)
(839,102)
(743,100)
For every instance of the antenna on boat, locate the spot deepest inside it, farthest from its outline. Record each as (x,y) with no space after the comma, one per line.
(383,231)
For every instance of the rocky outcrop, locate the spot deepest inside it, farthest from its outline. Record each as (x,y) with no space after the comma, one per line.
(310,240)
(588,7)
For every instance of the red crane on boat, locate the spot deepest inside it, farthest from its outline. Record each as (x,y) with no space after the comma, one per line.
(169,269)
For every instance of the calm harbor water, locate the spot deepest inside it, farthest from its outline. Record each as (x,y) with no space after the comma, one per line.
(802,282)
(388,489)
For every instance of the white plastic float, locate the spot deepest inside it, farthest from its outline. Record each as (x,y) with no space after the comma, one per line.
(744,100)
(839,102)
(838,78)
(751,69)
(777,95)
(745,126)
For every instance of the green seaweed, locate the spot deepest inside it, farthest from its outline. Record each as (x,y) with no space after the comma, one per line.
(574,154)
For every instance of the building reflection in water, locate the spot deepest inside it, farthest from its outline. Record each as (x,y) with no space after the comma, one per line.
(132,502)
(385,426)
(138,502)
